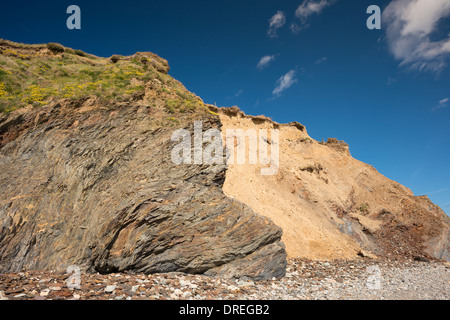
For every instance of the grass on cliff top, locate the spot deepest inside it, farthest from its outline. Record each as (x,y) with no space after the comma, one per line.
(29,77)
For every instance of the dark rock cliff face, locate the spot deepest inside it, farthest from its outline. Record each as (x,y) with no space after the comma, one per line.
(83,184)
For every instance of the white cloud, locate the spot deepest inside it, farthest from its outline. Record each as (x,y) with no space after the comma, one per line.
(442,104)
(295,28)
(284,82)
(310,7)
(390,81)
(239,92)
(321,60)
(437,191)
(276,22)
(264,61)
(307,9)
(410,25)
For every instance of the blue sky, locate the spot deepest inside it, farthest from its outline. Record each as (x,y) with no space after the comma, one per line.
(385,92)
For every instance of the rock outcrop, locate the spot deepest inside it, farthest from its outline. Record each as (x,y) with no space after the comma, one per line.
(96,187)
(332,206)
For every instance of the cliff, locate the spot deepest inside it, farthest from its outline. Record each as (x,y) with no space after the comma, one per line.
(86,178)
(89,180)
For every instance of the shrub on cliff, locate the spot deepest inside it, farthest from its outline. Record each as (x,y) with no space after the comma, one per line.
(115,58)
(80,53)
(55,47)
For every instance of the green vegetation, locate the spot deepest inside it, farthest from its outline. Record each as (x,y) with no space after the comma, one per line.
(186,105)
(69,50)
(364,208)
(172,119)
(115,58)
(80,53)
(32,75)
(55,47)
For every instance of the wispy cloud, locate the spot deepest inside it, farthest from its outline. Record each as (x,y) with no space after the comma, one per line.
(310,7)
(442,104)
(306,10)
(296,28)
(438,191)
(236,95)
(285,82)
(416,173)
(321,60)
(410,25)
(390,81)
(276,22)
(264,61)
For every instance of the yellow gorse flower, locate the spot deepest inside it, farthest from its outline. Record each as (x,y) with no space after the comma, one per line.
(2,90)
(7,71)
(36,93)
